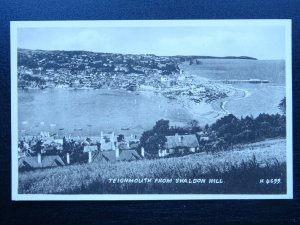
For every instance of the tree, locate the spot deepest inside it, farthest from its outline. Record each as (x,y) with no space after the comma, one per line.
(282,105)
(37,148)
(153,140)
(120,138)
(154,143)
(194,123)
(223,121)
(145,136)
(194,126)
(161,127)
(67,145)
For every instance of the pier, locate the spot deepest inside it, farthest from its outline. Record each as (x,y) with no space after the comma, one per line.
(253,81)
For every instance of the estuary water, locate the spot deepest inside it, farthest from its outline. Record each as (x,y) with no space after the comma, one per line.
(88,112)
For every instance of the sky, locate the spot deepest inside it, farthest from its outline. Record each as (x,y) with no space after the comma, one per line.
(262,42)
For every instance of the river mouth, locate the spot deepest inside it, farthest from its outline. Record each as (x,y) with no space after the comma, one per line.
(88,112)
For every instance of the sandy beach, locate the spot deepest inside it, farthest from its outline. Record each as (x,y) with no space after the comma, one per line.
(207,112)
(241,100)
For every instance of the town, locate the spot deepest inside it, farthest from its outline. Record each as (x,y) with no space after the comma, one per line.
(39,69)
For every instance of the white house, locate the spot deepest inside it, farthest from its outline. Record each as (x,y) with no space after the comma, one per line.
(179,143)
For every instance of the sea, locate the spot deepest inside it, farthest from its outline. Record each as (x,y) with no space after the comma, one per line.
(259,98)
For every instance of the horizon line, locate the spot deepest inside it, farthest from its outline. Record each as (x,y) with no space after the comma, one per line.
(118,53)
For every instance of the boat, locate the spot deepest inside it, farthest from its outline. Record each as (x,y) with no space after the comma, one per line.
(125,128)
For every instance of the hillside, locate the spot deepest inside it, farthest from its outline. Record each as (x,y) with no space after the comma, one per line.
(78,69)
(236,167)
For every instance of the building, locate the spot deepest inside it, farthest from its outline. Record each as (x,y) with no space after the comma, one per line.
(105,147)
(179,144)
(112,152)
(90,149)
(115,156)
(39,161)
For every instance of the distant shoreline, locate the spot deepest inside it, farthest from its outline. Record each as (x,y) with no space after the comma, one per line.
(116,53)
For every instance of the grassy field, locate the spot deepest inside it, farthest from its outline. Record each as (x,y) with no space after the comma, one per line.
(240,169)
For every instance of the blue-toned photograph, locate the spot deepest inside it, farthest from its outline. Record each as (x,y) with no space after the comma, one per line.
(112,110)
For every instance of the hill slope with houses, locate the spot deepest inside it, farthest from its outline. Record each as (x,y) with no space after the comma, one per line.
(222,172)
(162,140)
(83,69)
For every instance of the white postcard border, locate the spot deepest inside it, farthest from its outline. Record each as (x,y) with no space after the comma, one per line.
(15,25)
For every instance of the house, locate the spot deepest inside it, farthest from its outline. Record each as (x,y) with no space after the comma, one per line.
(119,153)
(114,156)
(111,155)
(107,146)
(203,136)
(21,154)
(108,143)
(44,133)
(95,139)
(90,149)
(36,162)
(180,144)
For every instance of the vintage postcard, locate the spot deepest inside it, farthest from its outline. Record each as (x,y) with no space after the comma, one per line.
(151,110)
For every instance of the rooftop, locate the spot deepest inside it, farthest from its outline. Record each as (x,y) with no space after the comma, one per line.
(47,161)
(189,141)
(110,156)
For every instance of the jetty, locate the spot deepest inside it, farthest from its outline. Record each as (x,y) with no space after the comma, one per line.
(253,81)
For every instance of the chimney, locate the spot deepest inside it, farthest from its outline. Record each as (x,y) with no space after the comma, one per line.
(159,153)
(39,158)
(143,152)
(117,152)
(68,158)
(90,156)
(101,135)
(177,137)
(112,136)
(113,145)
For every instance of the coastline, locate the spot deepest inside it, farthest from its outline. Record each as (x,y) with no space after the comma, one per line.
(209,112)
(205,111)
(241,100)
